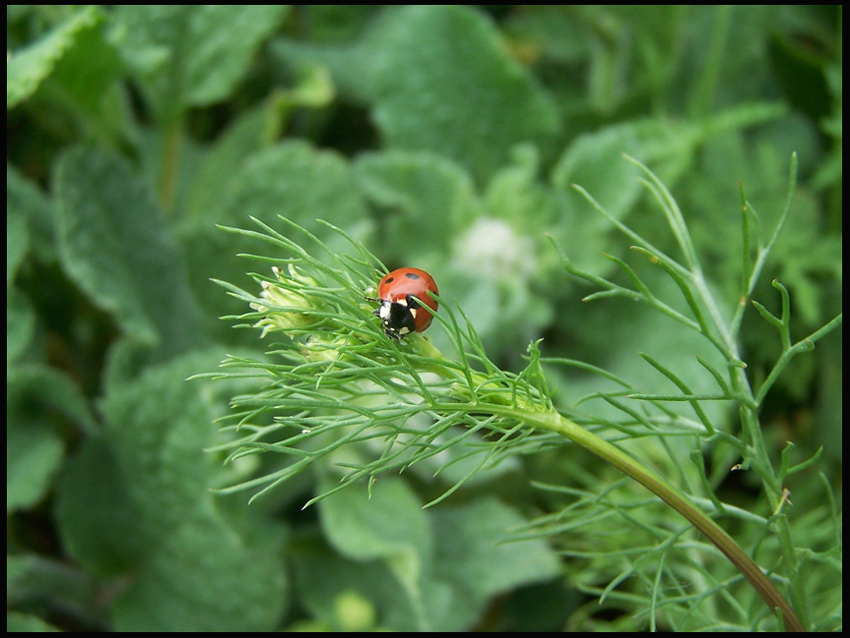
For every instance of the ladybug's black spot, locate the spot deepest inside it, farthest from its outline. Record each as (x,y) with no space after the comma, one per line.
(387,280)
(412,275)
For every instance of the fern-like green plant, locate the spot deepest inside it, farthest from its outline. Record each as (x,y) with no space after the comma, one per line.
(335,387)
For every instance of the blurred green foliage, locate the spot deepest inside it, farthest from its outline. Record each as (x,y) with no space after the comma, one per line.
(443,137)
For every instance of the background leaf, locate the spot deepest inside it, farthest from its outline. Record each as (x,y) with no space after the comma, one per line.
(443,563)
(594,162)
(417,86)
(213,44)
(116,247)
(28,67)
(415,90)
(207,577)
(152,471)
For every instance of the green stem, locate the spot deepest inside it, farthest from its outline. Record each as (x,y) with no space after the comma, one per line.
(752,572)
(169,167)
(556,422)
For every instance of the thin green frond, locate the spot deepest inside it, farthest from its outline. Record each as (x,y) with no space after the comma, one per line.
(340,395)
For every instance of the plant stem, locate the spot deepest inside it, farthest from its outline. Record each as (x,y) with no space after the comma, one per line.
(752,572)
(550,419)
(171,147)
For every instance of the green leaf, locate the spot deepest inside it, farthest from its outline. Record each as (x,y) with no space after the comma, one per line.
(99,526)
(805,256)
(515,192)
(160,442)
(126,490)
(383,523)
(34,450)
(20,323)
(439,79)
(427,197)
(25,200)
(115,246)
(387,524)
(17,238)
(292,179)
(615,327)
(28,68)
(193,55)
(207,576)
(446,84)
(466,568)
(322,577)
(594,161)
(299,182)
(87,89)
(217,173)
(18,622)
(472,556)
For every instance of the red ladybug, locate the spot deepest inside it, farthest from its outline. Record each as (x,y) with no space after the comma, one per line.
(402,294)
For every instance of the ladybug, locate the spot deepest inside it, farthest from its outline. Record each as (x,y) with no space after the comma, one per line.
(401,294)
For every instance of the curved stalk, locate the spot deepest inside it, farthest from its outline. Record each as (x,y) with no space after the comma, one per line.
(752,572)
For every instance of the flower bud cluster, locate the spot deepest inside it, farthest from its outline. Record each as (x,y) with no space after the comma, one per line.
(289,302)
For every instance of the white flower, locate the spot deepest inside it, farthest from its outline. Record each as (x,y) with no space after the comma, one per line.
(491,247)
